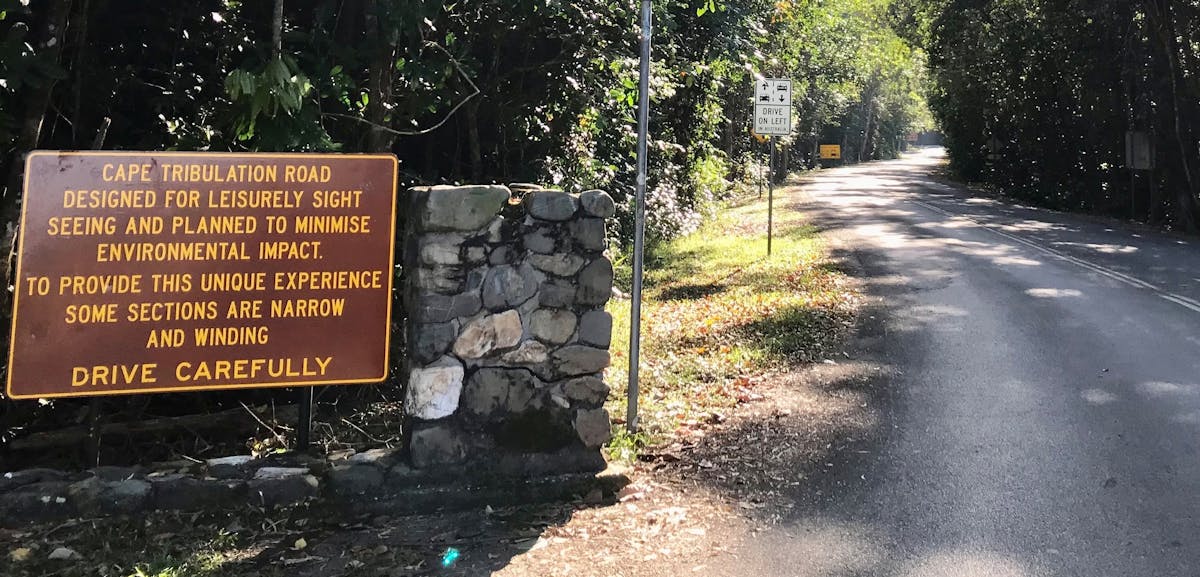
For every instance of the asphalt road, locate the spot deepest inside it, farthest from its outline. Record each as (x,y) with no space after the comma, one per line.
(1042,416)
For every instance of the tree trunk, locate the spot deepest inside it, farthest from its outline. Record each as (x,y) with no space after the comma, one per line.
(380,84)
(1185,197)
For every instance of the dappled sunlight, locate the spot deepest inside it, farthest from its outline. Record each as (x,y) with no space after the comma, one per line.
(968,563)
(1098,397)
(1104,248)
(1052,293)
(1160,389)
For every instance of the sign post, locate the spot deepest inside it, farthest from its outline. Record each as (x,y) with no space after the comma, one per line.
(772,117)
(639,222)
(153,272)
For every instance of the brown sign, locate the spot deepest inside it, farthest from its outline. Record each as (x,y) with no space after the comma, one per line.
(158,271)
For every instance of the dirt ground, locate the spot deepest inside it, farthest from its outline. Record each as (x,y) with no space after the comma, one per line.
(691,505)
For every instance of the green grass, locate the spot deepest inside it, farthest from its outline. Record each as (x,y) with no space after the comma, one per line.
(718,314)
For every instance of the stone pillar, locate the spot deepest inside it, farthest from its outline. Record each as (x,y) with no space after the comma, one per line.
(508,338)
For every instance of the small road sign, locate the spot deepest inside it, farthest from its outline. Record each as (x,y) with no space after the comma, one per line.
(773,106)
(771,120)
(831,152)
(775,91)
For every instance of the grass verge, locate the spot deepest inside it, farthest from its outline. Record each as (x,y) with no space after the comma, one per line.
(719,315)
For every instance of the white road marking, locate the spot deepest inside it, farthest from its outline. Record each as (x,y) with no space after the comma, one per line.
(1121,277)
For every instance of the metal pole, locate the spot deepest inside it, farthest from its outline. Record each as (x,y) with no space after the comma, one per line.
(771,197)
(639,223)
(304,426)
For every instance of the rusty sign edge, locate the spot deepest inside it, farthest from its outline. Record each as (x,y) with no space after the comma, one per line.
(8,382)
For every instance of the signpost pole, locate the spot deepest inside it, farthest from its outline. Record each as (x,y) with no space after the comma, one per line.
(771,197)
(639,222)
(304,426)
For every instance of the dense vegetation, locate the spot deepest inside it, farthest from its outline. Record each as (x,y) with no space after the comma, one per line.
(469,91)
(1049,88)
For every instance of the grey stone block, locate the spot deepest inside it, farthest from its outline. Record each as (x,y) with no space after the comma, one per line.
(588,233)
(458,208)
(431,340)
(590,392)
(561,264)
(350,480)
(598,203)
(552,205)
(436,444)
(94,496)
(557,294)
(553,326)
(595,329)
(508,286)
(593,426)
(436,308)
(577,360)
(595,283)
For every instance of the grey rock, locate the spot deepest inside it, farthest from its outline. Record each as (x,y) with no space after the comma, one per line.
(63,554)
(475,254)
(187,493)
(595,283)
(431,340)
(559,264)
(598,203)
(552,326)
(529,353)
(441,249)
(507,286)
(277,473)
(540,240)
(557,294)
(495,230)
(24,477)
(588,233)
(433,391)
(458,208)
(439,279)
(593,427)
(380,457)
(350,480)
(481,336)
(553,205)
(499,256)
(589,391)
(524,186)
(438,444)
(436,308)
(228,467)
(576,360)
(283,491)
(595,329)
(94,496)
(475,278)
(110,473)
(491,391)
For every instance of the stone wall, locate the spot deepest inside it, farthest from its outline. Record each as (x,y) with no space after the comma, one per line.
(507,334)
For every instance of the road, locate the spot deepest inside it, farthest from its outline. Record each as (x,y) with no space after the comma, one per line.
(1042,416)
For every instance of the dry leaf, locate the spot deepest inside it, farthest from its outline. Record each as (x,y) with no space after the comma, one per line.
(18,555)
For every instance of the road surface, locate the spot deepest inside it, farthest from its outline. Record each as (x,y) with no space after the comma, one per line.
(1042,416)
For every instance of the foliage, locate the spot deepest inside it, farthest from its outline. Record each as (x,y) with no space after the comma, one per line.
(1036,97)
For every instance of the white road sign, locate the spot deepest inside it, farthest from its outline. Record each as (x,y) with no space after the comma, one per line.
(772,120)
(776,91)
(773,106)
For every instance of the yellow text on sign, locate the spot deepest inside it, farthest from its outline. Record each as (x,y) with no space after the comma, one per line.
(831,152)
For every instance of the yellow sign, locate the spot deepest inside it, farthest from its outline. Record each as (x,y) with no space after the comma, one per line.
(831,152)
